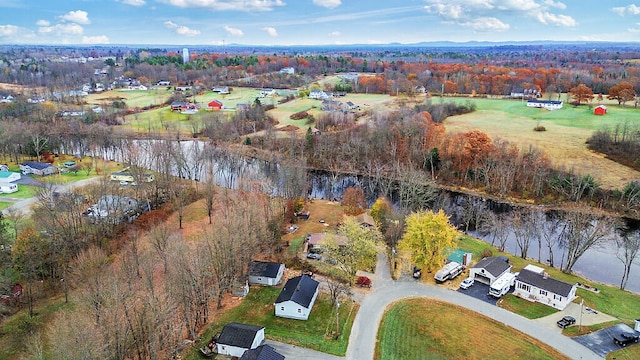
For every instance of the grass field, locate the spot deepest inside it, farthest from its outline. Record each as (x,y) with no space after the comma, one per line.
(428,329)
(564,140)
(528,309)
(5,204)
(315,333)
(133,99)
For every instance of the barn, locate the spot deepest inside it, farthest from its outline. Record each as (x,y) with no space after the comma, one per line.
(214,105)
(600,110)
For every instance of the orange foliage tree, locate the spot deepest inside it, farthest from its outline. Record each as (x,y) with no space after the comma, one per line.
(353,201)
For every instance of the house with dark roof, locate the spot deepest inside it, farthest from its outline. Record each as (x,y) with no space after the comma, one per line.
(534,284)
(297,298)
(489,269)
(236,338)
(265,273)
(37,168)
(262,352)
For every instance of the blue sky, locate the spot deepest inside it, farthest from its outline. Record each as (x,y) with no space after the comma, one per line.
(313,22)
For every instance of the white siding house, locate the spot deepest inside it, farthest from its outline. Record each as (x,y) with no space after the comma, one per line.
(545,104)
(8,177)
(489,269)
(265,273)
(297,298)
(237,338)
(534,284)
(37,168)
(8,188)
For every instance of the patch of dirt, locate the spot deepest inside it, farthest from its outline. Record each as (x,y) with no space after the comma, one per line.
(289,128)
(299,115)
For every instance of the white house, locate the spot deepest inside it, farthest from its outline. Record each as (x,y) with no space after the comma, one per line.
(489,269)
(287,70)
(545,104)
(37,168)
(534,284)
(265,273)
(318,95)
(8,188)
(297,298)
(114,209)
(237,338)
(265,92)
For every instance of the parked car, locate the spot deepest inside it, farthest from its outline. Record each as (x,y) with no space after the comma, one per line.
(124,182)
(417,272)
(363,281)
(566,321)
(625,338)
(314,256)
(466,283)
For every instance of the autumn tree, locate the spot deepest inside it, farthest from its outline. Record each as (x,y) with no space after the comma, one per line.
(381,211)
(359,251)
(427,238)
(353,201)
(581,93)
(622,92)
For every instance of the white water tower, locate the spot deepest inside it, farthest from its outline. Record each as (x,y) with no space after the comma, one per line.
(185,55)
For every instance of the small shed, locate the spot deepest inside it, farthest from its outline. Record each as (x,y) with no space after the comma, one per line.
(236,338)
(489,269)
(600,110)
(265,273)
(9,177)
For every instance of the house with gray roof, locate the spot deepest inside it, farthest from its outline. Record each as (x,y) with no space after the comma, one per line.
(265,273)
(262,352)
(489,269)
(297,298)
(235,339)
(534,284)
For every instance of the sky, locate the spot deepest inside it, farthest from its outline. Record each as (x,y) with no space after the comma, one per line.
(313,22)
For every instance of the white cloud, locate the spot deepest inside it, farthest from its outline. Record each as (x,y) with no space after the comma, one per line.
(233,31)
(557,20)
(132,2)
(335,33)
(447,12)
(487,24)
(180,29)
(62,29)
(100,39)
(271,31)
(78,17)
(43,23)
(551,3)
(8,30)
(240,5)
(330,4)
(635,29)
(631,9)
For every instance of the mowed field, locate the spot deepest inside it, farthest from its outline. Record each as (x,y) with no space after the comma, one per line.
(564,140)
(414,329)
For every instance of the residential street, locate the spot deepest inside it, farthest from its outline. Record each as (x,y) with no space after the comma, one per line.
(385,291)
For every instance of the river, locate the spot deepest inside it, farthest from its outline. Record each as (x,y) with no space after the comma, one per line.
(597,264)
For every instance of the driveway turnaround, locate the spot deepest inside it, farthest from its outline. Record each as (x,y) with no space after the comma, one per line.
(601,341)
(385,291)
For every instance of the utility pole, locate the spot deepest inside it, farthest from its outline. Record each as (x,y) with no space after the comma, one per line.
(337,319)
(580,324)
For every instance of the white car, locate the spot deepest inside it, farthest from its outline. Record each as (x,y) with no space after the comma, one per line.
(466,283)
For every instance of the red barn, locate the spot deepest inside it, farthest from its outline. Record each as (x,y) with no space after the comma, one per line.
(600,110)
(214,105)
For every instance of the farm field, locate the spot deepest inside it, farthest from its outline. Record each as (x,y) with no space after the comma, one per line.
(564,140)
(413,329)
(133,98)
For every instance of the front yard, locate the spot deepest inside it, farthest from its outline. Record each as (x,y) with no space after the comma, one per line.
(316,333)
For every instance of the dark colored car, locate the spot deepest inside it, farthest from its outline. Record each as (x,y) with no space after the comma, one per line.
(625,338)
(566,322)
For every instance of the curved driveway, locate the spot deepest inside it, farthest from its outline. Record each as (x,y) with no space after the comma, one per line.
(385,291)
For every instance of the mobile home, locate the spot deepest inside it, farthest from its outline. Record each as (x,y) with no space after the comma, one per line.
(502,285)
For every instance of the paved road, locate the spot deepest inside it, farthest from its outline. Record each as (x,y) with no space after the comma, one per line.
(385,291)
(24,205)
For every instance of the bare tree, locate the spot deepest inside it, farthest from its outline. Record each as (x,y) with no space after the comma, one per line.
(581,232)
(628,244)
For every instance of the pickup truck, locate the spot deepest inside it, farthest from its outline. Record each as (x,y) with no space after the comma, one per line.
(566,321)
(625,338)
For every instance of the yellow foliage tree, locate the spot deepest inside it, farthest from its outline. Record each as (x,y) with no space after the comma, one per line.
(427,238)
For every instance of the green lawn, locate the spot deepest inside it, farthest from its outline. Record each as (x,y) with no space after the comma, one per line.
(5,204)
(24,192)
(528,309)
(315,333)
(427,329)
(621,304)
